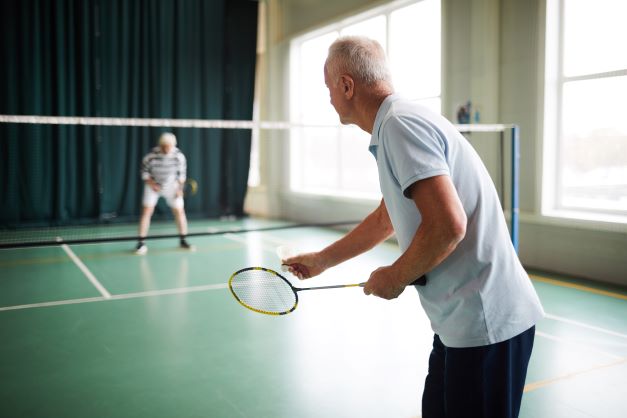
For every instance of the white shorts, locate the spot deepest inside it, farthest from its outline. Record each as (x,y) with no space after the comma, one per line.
(168,192)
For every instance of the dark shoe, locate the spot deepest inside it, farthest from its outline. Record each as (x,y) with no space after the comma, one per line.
(141,248)
(187,246)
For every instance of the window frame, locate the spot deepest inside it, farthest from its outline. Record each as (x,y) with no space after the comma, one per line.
(295,109)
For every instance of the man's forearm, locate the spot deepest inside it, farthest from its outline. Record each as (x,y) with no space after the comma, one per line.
(430,246)
(374,229)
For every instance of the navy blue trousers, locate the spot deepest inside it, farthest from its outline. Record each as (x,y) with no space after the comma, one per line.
(477,382)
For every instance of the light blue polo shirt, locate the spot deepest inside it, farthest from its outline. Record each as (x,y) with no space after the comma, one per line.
(480,294)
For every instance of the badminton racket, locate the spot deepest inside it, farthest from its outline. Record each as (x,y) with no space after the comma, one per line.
(190,188)
(265,291)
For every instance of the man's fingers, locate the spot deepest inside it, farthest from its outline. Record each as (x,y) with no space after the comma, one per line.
(299,270)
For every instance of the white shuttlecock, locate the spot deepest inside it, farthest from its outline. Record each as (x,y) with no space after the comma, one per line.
(283,252)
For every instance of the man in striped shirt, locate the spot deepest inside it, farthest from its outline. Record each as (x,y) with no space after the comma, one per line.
(164,172)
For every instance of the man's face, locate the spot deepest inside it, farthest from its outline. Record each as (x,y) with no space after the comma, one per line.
(166,148)
(336,94)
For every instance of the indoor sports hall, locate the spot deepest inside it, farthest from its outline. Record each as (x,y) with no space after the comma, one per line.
(161,160)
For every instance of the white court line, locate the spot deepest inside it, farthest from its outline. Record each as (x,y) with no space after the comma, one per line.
(578,344)
(241,240)
(135,295)
(581,324)
(232,237)
(618,360)
(235,238)
(542,383)
(86,271)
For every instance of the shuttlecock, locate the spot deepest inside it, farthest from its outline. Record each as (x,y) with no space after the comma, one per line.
(283,252)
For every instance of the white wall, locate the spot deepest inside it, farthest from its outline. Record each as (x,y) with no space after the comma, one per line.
(494,56)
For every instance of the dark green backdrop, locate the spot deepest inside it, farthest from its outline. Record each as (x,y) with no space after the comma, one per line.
(121,58)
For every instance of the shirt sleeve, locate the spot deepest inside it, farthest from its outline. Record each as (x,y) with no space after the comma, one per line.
(145,167)
(182,171)
(416,151)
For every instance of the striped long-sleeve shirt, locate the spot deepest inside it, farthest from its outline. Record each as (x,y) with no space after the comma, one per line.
(163,168)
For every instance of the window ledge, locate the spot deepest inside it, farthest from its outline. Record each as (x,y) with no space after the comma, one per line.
(578,220)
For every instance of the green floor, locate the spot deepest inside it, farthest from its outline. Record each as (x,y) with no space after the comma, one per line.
(160,336)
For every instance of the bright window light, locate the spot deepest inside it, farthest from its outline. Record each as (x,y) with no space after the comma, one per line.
(586,91)
(594,36)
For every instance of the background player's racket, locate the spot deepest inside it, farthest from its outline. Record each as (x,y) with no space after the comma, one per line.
(266,291)
(190,187)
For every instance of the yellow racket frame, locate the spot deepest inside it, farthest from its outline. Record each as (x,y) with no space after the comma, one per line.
(193,187)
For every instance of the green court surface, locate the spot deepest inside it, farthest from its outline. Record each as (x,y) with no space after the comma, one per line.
(95,330)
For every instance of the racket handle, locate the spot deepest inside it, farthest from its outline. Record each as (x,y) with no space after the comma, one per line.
(420,281)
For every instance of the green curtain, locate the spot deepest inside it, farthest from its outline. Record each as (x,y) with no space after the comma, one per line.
(139,58)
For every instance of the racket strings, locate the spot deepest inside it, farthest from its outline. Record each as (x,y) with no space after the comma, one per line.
(263,291)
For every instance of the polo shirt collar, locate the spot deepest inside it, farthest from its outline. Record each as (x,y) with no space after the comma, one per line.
(378,120)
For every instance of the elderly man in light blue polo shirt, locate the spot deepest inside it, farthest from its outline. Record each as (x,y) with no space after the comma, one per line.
(441,203)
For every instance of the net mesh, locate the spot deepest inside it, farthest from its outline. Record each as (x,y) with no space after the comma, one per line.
(69,175)
(79,180)
(263,291)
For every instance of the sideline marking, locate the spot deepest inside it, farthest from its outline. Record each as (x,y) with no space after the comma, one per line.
(583,325)
(578,344)
(86,271)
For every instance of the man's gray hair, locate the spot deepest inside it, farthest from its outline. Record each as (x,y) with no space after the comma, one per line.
(360,57)
(167,138)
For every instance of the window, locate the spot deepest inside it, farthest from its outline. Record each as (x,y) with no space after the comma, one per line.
(335,160)
(585,106)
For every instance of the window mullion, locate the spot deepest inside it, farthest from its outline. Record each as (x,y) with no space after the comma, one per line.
(559,140)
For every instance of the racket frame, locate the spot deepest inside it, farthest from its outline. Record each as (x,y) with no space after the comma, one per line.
(252,308)
(190,187)
(294,289)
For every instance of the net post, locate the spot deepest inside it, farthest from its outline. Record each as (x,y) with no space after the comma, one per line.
(502,156)
(515,180)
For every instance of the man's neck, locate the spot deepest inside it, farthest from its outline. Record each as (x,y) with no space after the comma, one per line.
(369,105)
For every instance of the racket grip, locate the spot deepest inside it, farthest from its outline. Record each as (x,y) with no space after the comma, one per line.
(421,281)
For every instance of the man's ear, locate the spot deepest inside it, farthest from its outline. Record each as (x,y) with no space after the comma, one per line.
(348,85)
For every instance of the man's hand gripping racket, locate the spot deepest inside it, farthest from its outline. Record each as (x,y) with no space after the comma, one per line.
(268,292)
(306,265)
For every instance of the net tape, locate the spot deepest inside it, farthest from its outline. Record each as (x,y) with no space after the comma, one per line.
(200,123)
